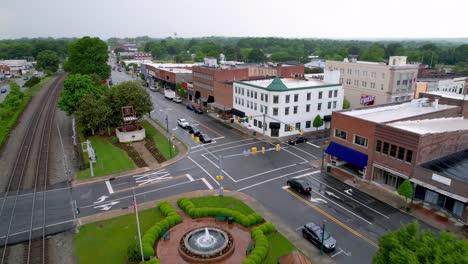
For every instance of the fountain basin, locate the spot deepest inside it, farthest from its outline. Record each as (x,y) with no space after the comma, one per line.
(206,244)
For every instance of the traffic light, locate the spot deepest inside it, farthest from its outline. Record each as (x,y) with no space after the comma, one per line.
(278,147)
(291,128)
(301,132)
(253,150)
(239,120)
(263,150)
(250,117)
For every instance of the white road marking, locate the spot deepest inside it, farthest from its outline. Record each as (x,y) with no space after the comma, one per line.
(101,199)
(189,177)
(349,192)
(207,173)
(341,251)
(272,179)
(175,128)
(299,228)
(301,150)
(207,183)
(265,172)
(285,187)
(195,147)
(312,144)
(302,176)
(109,187)
(107,206)
(318,200)
(218,138)
(207,149)
(214,164)
(332,194)
(152,177)
(294,154)
(37,228)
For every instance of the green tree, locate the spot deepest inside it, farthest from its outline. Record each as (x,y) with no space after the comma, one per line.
(406,190)
(410,245)
(180,90)
(346,103)
(93,112)
(88,55)
(74,88)
(47,60)
(129,93)
(256,55)
(318,122)
(375,53)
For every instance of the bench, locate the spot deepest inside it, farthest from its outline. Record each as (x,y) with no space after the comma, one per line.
(166,235)
(249,249)
(220,217)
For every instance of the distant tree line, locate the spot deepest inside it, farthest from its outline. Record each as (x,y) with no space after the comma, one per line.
(30,48)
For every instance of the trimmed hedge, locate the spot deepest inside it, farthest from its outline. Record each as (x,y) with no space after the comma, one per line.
(260,251)
(151,261)
(194,212)
(149,238)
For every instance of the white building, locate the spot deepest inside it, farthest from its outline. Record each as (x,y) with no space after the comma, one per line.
(276,104)
(15,65)
(453,85)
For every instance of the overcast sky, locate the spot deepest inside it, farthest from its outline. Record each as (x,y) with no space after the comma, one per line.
(196,18)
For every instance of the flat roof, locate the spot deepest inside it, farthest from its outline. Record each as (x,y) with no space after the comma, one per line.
(432,126)
(169,65)
(448,95)
(453,166)
(394,112)
(177,70)
(290,83)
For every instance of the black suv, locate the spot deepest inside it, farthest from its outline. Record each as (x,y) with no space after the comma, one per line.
(204,138)
(299,186)
(193,130)
(296,140)
(313,233)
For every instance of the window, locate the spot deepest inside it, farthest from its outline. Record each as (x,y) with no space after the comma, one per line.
(348,81)
(329,105)
(335,93)
(275,111)
(393,150)
(255,95)
(275,99)
(364,73)
(308,96)
(261,108)
(295,110)
(319,106)
(356,83)
(334,104)
(330,94)
(266,110)
(378,146)
(364,84)
(307,107)
(296,97)
(255,107)
(350,71)
(248,104)
(373,74)
(266,98)
(401,153)
(261,97)
(356,72)
(361,141)
(385,148)
(235,89)
(242,91)
(260,124)
(409,156)
(308,123)
(383,75)
(298,125)
(255,122)
(320,95)
(372,85)
(286,111)
(286,128)
(287,98)
(340,133)
(381,86)
(248,93)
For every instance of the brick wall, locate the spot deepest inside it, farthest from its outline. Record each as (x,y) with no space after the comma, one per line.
(287,71)
(435,146)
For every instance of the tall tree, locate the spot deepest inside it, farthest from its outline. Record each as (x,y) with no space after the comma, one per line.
(93,112)
(88,55)
(318,122)
(375,53)
(256,55)
(346,103)
(47,60)
(74,88)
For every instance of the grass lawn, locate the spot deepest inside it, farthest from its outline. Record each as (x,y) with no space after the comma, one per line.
(110,159)
(107,241)
(279,246)
(160,140)
(222,202)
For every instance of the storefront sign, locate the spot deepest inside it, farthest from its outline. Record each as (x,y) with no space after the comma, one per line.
(367,99)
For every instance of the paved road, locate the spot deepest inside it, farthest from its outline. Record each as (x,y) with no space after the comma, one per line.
(19,81)
(353,218)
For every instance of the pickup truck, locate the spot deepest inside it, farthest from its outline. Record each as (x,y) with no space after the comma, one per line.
(169,94)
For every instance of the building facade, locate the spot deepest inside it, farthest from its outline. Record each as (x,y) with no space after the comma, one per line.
(167,74)
(278,104)
(372,83)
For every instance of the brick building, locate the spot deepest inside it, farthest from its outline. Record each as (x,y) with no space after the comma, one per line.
(167,74)
(449,98)
(394,142)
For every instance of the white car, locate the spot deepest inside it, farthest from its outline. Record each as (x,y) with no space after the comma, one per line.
(183,123)
(177,99)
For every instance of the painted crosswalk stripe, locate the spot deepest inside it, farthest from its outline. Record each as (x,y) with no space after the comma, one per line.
(189,177)
(313,145)
(109,187)
(207,184)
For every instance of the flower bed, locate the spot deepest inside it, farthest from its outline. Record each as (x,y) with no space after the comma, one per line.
(131,152)
(151,146)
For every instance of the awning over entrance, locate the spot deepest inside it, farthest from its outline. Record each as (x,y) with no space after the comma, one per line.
(220,107)
(237,113)
(275,125)
(350,155)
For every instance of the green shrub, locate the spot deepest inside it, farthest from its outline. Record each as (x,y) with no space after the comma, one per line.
(32,81)
(148,251)
(133,252)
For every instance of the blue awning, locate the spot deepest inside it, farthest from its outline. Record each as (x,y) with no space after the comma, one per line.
(350,155)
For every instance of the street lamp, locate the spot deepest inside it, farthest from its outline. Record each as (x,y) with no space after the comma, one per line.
(323,236)
(169,137)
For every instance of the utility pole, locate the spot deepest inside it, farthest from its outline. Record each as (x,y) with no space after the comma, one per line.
(169,137)
(221,178)
(323,236)
(264,124)
(135,206)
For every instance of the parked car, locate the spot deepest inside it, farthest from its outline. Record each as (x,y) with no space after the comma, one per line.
(204,138)
(25,78)
(111,82)
(177,99)
(313,233)
(193,130)
(299,185)
(153,89)
(4,90)
(182,123)
(198,110)
(189,107)
(296,140)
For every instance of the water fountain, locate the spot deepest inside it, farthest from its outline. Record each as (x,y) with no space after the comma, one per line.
(206,244)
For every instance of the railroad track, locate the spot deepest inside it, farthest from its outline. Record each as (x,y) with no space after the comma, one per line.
(39,132)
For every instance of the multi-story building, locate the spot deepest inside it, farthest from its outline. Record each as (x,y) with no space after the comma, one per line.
(454,85)
(167,74)
(390,143)
(450,98)
(371,83)
(279,103)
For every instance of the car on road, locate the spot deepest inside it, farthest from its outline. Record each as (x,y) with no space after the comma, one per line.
(183,123)
(198,110)
(299,185)
(177,99)
(111,82)
(193,130)
(204,138)
(313,233)
(297,140)
(189,107)
(25,78)
(4,90)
